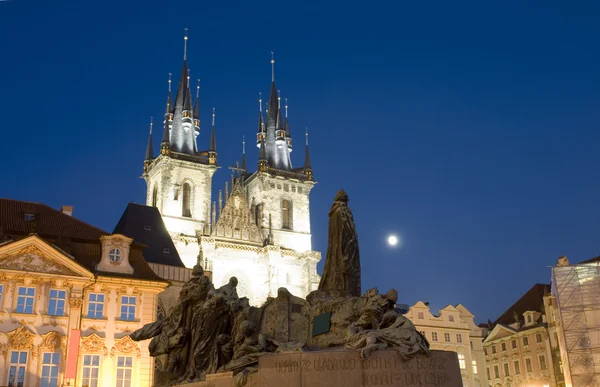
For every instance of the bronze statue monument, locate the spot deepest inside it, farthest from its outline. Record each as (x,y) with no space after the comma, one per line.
(214,331)
(341,275)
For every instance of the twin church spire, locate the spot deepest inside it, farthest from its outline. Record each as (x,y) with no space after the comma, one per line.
(182,127)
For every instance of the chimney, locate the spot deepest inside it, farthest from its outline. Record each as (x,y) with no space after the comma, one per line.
(67,210)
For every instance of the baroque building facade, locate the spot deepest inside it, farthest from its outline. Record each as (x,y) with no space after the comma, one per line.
(454,329)
(258,229)
(522,347)
(70,295)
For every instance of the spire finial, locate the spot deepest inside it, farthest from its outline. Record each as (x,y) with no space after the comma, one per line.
(188,78)
(286,107)
(243,145)
(307,136)
(260,101)
(198,89)
(278,99)
(169,82)
(272,67)
(151,118)
(185,39)
(213,121)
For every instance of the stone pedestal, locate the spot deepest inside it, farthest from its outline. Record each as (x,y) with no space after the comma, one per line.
(345,368)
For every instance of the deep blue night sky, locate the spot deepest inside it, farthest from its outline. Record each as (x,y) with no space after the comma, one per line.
(469,128)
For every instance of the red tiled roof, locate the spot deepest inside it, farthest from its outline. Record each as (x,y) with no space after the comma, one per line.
(533,300)
(71,235)
(48,221)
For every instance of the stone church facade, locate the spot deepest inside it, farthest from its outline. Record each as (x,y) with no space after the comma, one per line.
(259,228)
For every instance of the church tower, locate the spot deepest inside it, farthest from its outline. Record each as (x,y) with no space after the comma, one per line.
(179,179)
(279,193)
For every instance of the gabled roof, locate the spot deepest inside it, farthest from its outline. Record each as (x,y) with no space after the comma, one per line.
(499,332)
(145,225)
(71,235)
(533,300)
(235,219)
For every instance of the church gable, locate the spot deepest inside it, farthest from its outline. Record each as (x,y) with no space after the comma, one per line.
(499,332)
(34,255)
(235,220)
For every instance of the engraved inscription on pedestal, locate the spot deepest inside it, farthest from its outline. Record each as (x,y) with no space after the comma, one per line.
(346,368)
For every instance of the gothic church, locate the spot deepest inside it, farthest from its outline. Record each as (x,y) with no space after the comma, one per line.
(259,230)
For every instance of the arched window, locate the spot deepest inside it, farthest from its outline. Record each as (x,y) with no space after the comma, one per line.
(286,214)
(258,215)
(154,196)
(185,202)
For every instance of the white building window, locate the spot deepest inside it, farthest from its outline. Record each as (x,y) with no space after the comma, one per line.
(514,344)
(96,305)
(506,370)
(528,318)
(91,371)
(538,337)
(124,371)
(115,255)
(461,361)
(185,203)
(528,365)
(542,359)
(286,214)
(50,363)
(25,299)
(447,337)
(517,367)
(128,308)
(56,302)
(474,365)
(434,336)
(458,338)
(17,369)
(503,346)
(451,318)
(421,315)
(496,372)
(525,341)
(154,196)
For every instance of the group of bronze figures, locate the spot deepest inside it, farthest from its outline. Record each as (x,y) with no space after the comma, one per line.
(214,330)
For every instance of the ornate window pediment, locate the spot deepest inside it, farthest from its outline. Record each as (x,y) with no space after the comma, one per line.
(127,346)
(93,344)
(21,338)
(52,341)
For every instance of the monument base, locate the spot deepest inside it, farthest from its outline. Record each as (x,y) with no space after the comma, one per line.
(342,367)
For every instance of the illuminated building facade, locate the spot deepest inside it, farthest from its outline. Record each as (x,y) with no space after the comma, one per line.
(454,329)
(69,296)
(522,348)
(258,229)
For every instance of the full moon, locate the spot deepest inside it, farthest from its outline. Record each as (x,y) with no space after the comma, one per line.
(392,240)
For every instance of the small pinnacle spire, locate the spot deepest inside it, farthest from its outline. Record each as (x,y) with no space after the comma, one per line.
(185,39)
(226,190)
(151,122)
(286,107)
(260,101)
(244,153)
(278,99)
(197,103)
(272,67)
(307,164)
(213,138)
(149,154)
(169,98)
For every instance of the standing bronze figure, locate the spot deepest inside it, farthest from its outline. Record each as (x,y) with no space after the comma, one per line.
(342,263)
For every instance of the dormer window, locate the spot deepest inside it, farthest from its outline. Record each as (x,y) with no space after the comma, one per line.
(115,255)
(451,318)
(166,250)
(529,318)
(147,228)
(28,217)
